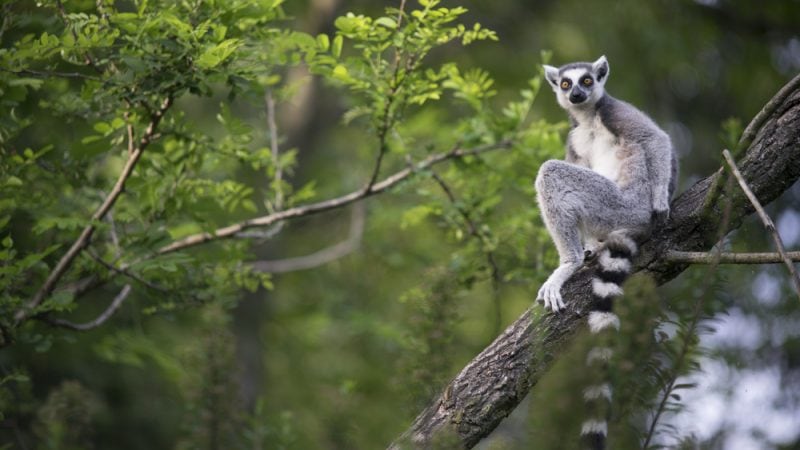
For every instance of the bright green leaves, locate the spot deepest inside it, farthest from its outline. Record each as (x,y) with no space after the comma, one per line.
(473,86)
(356,26)
(383,61)
(215,55)
(323,42)
(336,50)
(387,22)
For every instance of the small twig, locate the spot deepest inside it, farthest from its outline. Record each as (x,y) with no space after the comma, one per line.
(768,224)
(263,235)
(728,258)
(131,138)
(83,240)
(326,205)
(400,13)
(102,318)
(323,256)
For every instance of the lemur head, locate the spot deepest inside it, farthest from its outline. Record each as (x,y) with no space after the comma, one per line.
(578,85)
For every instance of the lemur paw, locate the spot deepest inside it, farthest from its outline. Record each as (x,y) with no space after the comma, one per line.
(550,295)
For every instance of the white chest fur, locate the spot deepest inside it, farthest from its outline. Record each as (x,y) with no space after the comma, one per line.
(595,145)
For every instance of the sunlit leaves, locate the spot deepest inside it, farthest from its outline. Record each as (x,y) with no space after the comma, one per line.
(215,55)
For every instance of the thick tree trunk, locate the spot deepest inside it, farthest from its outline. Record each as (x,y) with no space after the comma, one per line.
(494,382)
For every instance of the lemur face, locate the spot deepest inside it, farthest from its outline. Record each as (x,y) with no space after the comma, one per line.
(578,85)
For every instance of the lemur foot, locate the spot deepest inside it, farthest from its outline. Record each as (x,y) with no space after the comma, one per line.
(550,295)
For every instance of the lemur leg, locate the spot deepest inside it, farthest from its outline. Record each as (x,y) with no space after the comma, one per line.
(570,197)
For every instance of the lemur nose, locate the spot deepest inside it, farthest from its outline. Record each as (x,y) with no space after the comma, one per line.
(576,97)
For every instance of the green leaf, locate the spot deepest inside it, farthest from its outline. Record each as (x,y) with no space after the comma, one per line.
(13,181)
(387,22)
(217,54)
(340,73)
(102,127)
(323,42)
(336,50)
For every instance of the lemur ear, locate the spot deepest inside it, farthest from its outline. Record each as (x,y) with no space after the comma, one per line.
(551,73)
(600,68)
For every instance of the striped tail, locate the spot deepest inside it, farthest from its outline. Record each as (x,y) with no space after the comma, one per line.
(614,266)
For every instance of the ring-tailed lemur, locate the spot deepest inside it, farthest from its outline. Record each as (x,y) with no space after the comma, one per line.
(617,179)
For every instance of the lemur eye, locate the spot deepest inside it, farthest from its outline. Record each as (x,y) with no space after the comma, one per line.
(587,81)
(565,84)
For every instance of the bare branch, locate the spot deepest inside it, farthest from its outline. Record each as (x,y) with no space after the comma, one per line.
(729,258)
(768,224)
(101,319)
(338,202)
(86,235)
(323,256)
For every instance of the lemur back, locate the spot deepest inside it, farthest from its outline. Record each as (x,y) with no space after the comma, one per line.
(615,183)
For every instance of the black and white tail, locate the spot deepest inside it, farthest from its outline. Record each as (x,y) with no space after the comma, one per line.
(614,266)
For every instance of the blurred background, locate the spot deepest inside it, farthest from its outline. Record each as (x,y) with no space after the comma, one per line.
(343,355)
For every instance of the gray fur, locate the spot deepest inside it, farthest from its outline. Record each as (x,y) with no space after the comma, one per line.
(620,172)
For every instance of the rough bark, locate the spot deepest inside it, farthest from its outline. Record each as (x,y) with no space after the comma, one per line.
(493,383)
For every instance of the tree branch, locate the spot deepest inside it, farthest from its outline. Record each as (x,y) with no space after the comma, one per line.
(86,235)
(338,202)
(323,256)
(494,382)
(728,258)
(101,319)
